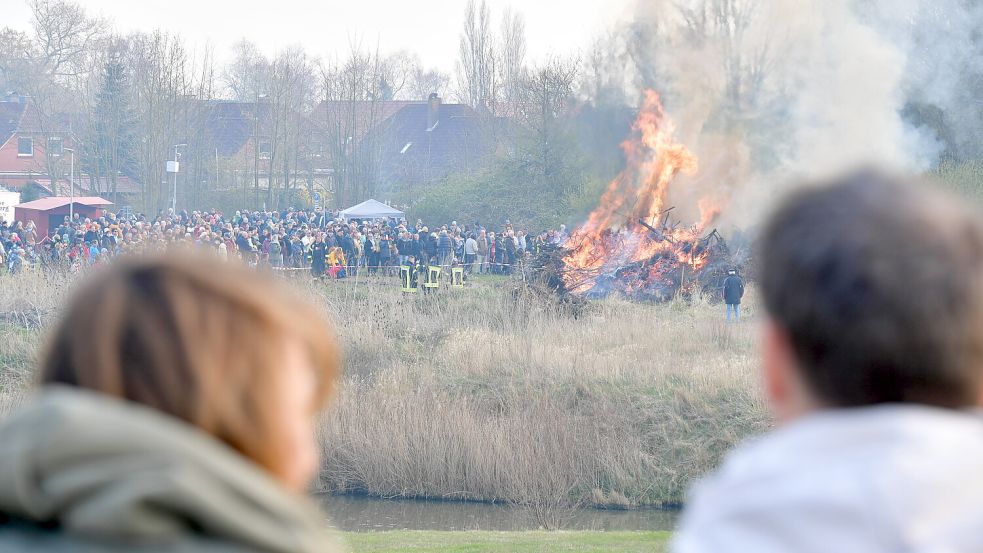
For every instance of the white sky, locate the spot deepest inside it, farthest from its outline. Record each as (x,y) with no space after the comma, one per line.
(328,27)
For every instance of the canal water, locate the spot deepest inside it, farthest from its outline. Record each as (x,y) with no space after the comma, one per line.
(367,514)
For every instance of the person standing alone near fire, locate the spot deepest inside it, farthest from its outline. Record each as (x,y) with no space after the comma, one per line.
(733,292)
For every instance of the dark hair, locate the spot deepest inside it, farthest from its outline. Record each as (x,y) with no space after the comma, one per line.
(878,282)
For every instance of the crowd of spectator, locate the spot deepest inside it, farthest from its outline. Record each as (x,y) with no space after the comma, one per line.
(318,241)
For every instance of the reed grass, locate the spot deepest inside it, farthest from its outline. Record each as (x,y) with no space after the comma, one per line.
(494,394)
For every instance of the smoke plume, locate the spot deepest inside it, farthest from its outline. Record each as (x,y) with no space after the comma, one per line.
(774,91)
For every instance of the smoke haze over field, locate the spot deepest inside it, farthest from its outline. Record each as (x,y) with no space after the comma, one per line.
(771,91)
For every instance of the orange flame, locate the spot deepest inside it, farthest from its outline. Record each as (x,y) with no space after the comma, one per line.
(612,237)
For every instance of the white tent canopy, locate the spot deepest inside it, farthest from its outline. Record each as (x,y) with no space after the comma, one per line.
(371,209)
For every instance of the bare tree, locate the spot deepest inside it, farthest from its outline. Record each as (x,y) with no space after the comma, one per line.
(291,92)
(512,56)
(425,82)
(606,71)
(397,72)
(549,100)
(162,89)
(353,105)
(726,26)
(66,36)
(246,76)
(476,64)
(199,169)
(18,60)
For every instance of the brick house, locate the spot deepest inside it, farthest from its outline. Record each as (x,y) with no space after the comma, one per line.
(390,146)
(35,153)
(395,144)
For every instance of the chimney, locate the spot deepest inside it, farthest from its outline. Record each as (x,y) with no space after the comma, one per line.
(433,111)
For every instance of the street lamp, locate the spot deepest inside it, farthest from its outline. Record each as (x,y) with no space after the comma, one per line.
(71,186)
(172,167)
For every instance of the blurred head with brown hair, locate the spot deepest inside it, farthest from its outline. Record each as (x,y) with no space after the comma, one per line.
(210,342)
(872,363)
(873,286)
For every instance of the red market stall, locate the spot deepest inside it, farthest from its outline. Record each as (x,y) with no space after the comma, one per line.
(48,213)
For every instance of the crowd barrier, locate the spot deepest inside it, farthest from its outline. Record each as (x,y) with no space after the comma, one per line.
(409,275)
(462,267)
(457,272)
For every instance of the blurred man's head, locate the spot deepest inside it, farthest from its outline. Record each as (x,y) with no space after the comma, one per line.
(874,290)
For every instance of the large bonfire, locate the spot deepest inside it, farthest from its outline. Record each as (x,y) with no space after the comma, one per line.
(630,244)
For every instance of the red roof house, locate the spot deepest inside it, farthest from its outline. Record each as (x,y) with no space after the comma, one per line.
(34,152)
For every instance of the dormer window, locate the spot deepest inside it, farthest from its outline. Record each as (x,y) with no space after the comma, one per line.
(265,148)
(25,146)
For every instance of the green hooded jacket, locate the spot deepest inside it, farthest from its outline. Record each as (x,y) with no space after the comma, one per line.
(84,472)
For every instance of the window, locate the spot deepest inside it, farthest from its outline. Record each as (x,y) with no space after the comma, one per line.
(25,146)
(55,146)
(265,148)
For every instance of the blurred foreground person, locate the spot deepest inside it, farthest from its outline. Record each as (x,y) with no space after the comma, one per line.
(872,361)
(176,413)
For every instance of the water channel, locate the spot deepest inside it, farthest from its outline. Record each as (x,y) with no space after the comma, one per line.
(367,514)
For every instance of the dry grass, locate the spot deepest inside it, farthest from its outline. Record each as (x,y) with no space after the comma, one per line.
(28,304)
(483,394)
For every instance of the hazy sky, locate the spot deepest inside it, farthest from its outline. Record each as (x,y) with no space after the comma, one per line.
(428,27)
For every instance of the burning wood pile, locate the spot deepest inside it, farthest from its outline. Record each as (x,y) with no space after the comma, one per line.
(688,266)
(630,244)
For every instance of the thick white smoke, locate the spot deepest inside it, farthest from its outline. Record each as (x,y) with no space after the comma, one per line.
(774,91)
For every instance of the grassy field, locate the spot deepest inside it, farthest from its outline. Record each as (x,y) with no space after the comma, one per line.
(486,394)
(507,542)
(490,393)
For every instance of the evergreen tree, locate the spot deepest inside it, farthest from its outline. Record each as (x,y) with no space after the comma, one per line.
(114,123)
